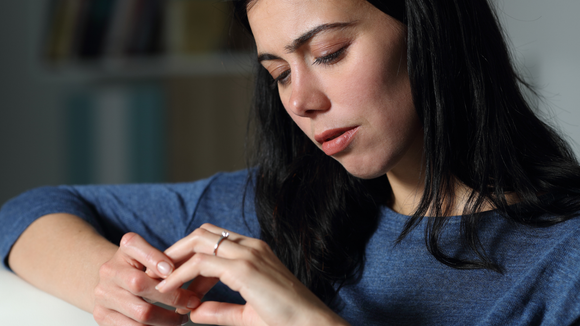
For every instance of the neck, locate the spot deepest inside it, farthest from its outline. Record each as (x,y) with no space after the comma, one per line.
(407,191)
(407,179)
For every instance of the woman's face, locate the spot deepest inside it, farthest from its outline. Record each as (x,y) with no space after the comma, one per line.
(341,72)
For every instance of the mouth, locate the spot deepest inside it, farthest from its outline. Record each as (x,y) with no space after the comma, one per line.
(331,134)
(334,141)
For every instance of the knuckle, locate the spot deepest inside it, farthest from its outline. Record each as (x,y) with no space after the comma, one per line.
(151,256)
(105,270)
(196,237)
(197,259)
(254,253)
(128,239)
(142,313)
(136,283)
(206,225)
(174,299)
(262,246)
(99,292)
(199,232)
(246,267)
(99,314)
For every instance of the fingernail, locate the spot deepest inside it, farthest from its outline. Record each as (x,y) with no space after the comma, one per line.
(164,268)
(184,320)
(193,302)
(160,285)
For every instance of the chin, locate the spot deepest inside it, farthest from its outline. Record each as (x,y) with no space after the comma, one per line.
(366,176)
(362,171)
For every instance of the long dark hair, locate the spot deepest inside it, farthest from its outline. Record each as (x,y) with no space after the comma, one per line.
(479,131)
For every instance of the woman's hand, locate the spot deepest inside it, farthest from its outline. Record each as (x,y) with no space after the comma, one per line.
(273,294)
(125,291)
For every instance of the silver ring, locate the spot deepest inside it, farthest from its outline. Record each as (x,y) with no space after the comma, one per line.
(224,236)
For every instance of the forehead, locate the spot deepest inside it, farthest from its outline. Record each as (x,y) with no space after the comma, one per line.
(275,23)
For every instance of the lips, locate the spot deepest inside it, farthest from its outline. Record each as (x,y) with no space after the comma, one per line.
(335,141)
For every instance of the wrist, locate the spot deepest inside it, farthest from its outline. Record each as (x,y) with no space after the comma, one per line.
(330,320)
(324,317)
(336,320)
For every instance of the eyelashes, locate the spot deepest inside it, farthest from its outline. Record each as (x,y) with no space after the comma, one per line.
(282,79)
(329,59)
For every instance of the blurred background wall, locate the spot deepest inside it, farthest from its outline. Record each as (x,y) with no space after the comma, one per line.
(117,91)
(103,91)
(546,45)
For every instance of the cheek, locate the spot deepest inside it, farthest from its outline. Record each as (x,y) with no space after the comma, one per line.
(381,64)
(379,87)
(371,79)
(369,97)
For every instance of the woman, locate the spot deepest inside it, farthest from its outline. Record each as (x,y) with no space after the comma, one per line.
(400,178)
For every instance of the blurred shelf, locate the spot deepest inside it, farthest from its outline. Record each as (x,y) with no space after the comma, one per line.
(158,67)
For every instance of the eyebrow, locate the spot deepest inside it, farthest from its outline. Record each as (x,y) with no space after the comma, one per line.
(301,40)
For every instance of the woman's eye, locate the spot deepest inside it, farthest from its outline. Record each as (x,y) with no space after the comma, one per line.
(331,58)
(282,79)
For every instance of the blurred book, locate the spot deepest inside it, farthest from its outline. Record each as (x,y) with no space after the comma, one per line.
(207,119)
(116,134)
(64,20)
(92,30)
(79,137)
(146,34)
(122,24)
(147,138)
(94,27)
(195,27)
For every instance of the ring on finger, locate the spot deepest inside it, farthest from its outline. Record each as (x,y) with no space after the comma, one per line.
(224,236)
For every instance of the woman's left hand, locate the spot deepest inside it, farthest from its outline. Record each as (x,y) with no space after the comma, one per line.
(274,296)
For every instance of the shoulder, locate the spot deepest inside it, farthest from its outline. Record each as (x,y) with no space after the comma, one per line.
(228,201)
(227,187)
(230,180)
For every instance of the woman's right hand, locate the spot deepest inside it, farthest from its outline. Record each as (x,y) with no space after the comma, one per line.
(124,293)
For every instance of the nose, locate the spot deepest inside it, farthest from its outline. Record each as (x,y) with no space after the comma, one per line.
(307,97)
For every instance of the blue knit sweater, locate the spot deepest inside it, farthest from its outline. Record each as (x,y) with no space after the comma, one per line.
(401,284)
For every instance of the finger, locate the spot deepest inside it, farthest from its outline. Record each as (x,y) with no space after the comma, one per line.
(192,269)
(200,286)
(233,236)
(212,228)
(237,238)
(110,317)
(182,311)
(254,279)
(200,240)
(221,313)
(149,314)
(129,280)
(135,308)
(139,250)
(234,247)
(204,241)
(143,286)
